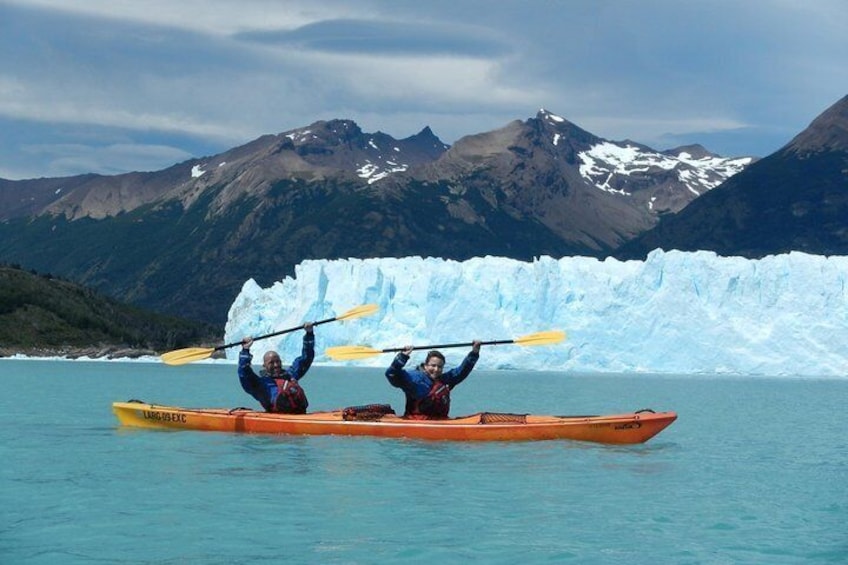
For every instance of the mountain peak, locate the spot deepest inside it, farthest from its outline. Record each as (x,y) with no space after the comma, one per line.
(560,130)
(828,132)
(555,121)
(694,151)
(331,132)
(426,136)
(550,117)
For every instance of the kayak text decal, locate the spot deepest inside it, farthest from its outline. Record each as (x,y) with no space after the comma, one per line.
(164,417)
(628,426)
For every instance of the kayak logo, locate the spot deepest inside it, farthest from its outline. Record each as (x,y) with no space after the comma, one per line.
(628,426)
(164,416)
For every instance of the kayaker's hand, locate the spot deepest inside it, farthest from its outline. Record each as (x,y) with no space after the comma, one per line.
(475,345)
(308,327)
(246,342)
(407,350)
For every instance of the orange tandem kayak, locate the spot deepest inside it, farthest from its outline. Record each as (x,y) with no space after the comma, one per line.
(377,420)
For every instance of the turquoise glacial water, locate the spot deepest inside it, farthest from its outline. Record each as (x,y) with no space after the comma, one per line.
(754,471)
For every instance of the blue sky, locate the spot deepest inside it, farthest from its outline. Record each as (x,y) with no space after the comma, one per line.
(111,86)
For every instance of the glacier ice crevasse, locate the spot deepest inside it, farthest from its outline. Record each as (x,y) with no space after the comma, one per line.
(675,312)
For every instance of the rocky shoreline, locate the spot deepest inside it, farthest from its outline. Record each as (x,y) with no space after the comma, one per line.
(92,352)
(102,352)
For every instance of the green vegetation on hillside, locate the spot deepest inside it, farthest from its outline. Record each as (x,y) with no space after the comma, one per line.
(191,262)
(40,313)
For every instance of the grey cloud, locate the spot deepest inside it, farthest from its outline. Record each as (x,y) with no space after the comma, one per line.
(386,37)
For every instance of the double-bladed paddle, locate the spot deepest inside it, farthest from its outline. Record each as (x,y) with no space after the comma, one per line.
(189,354)
(351,352)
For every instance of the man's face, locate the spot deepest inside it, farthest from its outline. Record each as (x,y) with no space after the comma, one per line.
(272,364)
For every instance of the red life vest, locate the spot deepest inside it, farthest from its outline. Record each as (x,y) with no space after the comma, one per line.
(434,406)
(290,399)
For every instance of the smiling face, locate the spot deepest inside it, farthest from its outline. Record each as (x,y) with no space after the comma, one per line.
(272,364)
(434,365)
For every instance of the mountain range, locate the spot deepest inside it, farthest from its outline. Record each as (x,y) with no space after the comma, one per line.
(183,240)
(796,199)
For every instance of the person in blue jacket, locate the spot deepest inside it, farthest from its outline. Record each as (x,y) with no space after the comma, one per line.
(428,387)
(277,390)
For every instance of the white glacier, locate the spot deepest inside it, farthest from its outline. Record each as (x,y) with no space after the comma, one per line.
(676,312)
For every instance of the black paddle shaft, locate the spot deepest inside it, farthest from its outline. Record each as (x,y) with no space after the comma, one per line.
(448,345)
(281,332)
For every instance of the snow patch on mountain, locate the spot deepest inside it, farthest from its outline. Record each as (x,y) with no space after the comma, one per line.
(377,171)
(301,135)
(608,164)
(552,117)
(603,161)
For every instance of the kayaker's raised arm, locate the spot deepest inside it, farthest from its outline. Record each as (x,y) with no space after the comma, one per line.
(396,375)
(427,387)
(278,390)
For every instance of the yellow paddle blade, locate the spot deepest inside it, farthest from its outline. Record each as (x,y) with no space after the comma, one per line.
(358,312)
(541,338)
(183,356)
(348,352)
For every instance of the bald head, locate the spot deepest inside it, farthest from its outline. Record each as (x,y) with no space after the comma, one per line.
(272,364)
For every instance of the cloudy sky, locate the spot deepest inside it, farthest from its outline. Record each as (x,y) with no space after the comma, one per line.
(111,86)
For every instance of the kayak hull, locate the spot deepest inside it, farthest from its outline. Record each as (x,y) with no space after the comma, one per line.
(630,428)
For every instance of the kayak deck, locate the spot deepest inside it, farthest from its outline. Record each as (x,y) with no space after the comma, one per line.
(629,428)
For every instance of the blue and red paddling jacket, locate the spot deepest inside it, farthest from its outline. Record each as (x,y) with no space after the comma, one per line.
(265,388)
(424,396)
